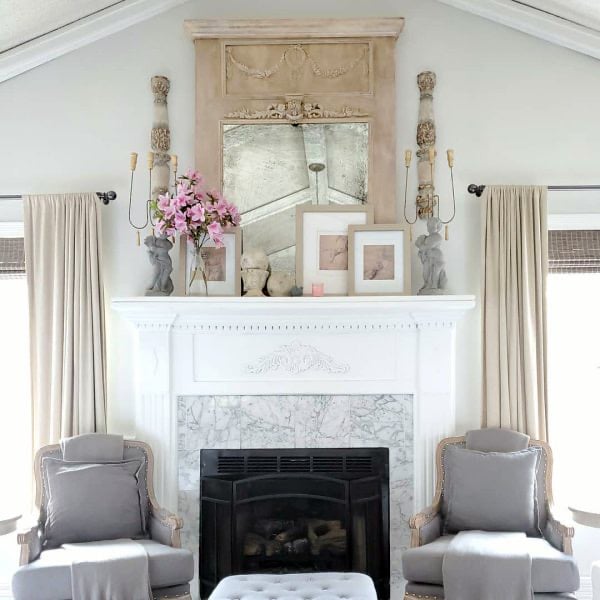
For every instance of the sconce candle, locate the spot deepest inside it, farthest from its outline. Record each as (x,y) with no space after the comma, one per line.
(133,161)
(432,155)
(150,160)
(174,161)
(430,201)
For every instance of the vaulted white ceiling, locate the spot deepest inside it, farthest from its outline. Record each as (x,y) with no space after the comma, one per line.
(581,12)
(574,24)
(26,20)
(35,31)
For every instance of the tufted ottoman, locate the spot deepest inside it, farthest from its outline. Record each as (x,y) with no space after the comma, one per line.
(300,586)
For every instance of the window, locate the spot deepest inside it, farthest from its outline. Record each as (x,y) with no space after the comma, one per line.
(15,409)
(574,355)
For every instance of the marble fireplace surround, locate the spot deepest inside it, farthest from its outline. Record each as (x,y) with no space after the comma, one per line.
(333,346)
(303,421)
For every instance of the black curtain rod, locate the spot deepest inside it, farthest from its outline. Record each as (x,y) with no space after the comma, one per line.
(105,197)
(478,189)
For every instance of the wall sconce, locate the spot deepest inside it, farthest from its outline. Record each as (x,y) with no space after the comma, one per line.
(159,160)
(427,201)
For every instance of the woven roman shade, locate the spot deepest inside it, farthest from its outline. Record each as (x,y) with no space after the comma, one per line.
(12,257)
(574,251)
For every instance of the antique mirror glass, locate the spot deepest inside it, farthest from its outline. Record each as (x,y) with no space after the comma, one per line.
(270,168)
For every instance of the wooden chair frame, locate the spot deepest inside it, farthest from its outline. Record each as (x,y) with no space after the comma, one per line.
(29,537)
(426,516)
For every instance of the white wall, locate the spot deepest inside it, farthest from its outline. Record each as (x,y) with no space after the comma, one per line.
(514,108)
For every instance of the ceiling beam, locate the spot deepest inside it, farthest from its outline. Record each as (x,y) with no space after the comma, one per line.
(84,31)
(534,22)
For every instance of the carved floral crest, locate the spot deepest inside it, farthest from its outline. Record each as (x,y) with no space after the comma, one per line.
(160,88)
(426,133)
(160,138)
(296,358)
(426,82)
(294,109)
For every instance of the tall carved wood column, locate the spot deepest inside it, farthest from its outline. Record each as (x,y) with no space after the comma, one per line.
(425,140)
(160,137)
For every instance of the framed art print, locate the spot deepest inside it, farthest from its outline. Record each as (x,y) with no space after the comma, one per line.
(378,260)
(322,245)
(221,266)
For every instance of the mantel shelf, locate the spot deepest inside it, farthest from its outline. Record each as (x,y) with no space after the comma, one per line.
(444,310)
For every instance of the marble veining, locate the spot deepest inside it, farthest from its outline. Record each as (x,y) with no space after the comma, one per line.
(314,421)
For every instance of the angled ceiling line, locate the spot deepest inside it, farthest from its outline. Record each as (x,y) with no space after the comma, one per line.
(70,23)
(551,14)
(521,16)
(112,19)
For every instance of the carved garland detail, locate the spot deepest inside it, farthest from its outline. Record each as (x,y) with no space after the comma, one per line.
(295,57)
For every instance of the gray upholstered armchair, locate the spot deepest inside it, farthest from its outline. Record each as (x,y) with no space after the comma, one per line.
(554,573)
(45,572)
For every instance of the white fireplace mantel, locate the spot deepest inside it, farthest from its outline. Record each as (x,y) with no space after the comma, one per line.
(293,346)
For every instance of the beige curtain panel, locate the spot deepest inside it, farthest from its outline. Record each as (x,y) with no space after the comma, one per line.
(66,306)
(515,240)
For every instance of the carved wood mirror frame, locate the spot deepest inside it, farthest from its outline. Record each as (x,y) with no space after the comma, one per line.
(299,71)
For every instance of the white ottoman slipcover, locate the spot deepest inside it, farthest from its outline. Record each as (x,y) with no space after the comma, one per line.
(300,586)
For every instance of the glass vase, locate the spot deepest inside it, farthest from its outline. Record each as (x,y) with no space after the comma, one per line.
(198,281)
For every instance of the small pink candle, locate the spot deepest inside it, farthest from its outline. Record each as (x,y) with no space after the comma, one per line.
(318,289)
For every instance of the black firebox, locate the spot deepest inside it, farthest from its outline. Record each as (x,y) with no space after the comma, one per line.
(294,511)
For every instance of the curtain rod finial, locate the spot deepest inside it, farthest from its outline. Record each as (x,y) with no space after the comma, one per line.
(106,197)
(476,189)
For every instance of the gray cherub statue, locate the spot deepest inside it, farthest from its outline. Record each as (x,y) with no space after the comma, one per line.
(432,258)
(158,252)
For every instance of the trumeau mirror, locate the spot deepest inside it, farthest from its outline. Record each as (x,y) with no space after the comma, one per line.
(269,170)
(293,112)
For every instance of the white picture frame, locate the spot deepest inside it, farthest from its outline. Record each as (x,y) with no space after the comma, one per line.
(226,270)
(321,232)
(378,260)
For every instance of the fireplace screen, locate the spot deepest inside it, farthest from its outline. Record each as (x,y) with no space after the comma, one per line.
(291,511)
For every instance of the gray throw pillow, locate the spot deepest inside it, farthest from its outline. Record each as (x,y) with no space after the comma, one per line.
(89,502)
(93,447)
(491,491)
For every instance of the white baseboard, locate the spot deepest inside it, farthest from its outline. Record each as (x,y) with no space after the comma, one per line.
(585,589)
(5,592)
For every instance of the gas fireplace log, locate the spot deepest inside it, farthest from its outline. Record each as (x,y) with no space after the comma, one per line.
(293,533)
(268,528)
(326,536)
(254,544)
(299,546)
(273,548)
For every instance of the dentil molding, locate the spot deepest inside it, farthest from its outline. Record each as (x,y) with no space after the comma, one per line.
(290,315)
